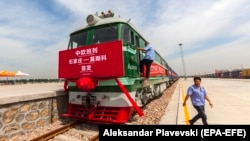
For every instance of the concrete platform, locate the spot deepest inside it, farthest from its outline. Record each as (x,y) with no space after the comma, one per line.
(24,92)
(230,97)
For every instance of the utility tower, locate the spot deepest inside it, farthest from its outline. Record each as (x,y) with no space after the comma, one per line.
(183,63)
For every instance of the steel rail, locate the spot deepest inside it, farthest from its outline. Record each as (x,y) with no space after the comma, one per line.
(53,133)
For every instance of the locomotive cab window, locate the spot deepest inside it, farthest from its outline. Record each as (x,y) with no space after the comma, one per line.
(126,34)
(142,43)
(105,34)
(137,41)
(132,37)
(77,40)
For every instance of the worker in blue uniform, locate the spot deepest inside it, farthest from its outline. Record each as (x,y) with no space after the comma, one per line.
(147,60)
(198,95)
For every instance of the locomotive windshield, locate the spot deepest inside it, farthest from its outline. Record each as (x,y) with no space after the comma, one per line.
(105,34)
(100,35)
(78,40)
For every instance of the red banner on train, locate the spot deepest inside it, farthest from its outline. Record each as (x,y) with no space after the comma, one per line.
(99,60)
(157,70)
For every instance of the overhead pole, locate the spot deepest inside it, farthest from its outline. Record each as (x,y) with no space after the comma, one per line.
(183,62)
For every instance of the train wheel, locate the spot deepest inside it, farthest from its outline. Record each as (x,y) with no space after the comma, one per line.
(167,84)
(157,90)
(144,98)
(138,97)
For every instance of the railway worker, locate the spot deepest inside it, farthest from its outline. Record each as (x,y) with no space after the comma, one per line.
(198,95)
(147,60)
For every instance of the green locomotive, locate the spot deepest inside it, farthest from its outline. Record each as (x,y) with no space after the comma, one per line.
(104,52)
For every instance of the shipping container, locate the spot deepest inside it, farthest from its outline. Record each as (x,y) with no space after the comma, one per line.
(245,73)
(235,73)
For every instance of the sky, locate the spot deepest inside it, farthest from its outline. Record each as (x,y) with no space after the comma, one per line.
(215,34)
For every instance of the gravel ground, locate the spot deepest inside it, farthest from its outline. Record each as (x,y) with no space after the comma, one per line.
(82,132)
(39,131)
(153,112)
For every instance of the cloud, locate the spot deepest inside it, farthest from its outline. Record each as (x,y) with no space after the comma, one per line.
(214,33)
(30,39)
(228,56)
(138,11)
(195,24)
(200,26)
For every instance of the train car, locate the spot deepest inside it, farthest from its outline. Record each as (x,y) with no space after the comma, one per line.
(226,73)
(101,71)
(236,73)
(245,73)
(209,75)
(173,76)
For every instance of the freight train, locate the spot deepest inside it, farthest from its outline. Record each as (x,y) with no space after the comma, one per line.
(173,76)
(101,71)
(239,73)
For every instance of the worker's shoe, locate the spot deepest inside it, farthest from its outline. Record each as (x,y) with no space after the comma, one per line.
(190,122)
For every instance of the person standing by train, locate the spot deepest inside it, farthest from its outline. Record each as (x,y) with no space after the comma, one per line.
(198,95)
(147,60)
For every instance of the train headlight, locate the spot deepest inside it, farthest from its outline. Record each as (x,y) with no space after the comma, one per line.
(92,19)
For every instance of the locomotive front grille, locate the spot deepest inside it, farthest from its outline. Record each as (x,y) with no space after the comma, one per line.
(89,100)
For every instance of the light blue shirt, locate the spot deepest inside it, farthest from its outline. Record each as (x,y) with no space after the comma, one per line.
(197,95)
(150,53)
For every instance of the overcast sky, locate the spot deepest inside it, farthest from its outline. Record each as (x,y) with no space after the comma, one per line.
(215,33)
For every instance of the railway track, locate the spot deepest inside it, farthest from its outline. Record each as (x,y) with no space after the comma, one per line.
(66,129)
(66,133)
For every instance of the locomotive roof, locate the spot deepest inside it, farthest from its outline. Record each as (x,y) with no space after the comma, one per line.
(110,20)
